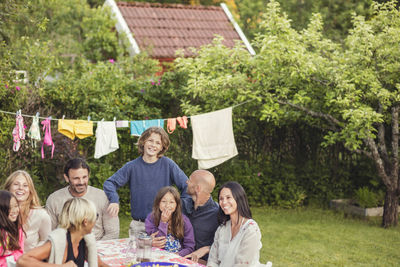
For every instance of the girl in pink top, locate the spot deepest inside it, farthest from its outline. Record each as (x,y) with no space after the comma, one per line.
(11,232)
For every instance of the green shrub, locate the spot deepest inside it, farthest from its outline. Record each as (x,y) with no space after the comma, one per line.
(366,198)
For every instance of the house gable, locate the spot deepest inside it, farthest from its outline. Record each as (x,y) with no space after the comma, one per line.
(162,29)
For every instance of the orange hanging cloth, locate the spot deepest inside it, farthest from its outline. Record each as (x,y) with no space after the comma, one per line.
(171,125)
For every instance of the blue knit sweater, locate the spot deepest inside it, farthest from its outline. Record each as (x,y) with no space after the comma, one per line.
(144,181)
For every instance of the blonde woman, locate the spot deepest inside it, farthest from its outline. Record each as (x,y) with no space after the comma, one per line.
(70,245)
(36,222)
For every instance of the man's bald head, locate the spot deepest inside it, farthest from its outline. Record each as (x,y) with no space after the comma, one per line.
(205,179)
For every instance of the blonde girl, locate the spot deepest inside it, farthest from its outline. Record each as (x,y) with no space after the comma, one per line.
(35,220)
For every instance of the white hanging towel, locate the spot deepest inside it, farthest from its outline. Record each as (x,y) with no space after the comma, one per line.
(213,140)
(122,124)
(34,131)
(106,138)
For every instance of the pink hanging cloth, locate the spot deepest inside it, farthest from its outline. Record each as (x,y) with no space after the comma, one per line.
(18,131)
(47,140)
(182,121)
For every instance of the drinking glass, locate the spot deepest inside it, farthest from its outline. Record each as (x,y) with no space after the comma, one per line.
(133,233)
(144,250)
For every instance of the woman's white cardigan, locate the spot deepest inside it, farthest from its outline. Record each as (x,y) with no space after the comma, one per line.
(243,250)
(58,239)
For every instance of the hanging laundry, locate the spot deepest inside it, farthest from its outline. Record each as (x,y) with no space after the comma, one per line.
(47,140)
(138,127)
(106,138)
(213,140)
(34,131)
(18,131)
(171,125)
(182,121)
(122,124)
(75,128)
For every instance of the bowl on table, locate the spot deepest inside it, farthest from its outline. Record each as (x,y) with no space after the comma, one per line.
(158,264)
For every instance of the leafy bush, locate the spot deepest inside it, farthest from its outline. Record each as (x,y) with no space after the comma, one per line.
(369,199)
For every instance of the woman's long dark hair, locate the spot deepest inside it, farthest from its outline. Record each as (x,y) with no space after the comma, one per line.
(176,227)
(9,231)
(240,197)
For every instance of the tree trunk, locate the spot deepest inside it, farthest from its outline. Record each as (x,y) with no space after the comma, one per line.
(390,213)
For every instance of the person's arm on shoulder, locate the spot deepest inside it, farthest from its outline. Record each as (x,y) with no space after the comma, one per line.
(184,205)
(52,211)
(179,178)
(110,186)
(35,257)
(213,255)
(248,253)
(188,238)
(45,226)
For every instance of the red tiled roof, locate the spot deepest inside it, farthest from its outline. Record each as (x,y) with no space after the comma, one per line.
(161,29)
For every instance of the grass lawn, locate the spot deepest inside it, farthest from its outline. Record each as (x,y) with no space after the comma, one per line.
(317,237)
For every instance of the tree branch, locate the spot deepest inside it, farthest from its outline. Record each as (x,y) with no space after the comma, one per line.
(366,153)
(381,139)
(334,122)
(325,83)
(378,162)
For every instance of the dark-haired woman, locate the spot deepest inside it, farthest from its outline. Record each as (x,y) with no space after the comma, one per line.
(237,241)
(11,232)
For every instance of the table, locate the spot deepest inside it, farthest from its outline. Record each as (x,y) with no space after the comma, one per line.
(115,253)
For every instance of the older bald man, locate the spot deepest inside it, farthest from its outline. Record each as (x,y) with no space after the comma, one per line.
(202,211)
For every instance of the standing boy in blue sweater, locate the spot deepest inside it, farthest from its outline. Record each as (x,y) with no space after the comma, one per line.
(145,176)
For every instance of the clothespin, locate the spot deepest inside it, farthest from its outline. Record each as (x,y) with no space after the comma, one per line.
(102,119)
(63,117)
(115,118)
(88,118)
(37,114)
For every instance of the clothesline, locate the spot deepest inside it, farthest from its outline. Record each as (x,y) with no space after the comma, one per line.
(53,119)
(216,125)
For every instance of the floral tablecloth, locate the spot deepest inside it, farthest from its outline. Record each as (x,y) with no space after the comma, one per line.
(116,254)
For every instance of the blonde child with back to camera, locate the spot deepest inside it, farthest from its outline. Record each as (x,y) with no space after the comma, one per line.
(72,243)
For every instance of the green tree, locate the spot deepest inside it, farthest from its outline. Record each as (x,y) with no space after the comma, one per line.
(336,14)
(352,91)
